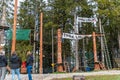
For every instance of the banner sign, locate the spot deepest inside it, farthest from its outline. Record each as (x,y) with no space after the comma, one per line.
(83,19)
(21,34)
(74,36)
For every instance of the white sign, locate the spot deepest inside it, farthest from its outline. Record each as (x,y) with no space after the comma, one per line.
(82,19)
(74,36)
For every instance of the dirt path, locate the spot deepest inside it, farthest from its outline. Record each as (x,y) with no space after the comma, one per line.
(52,76)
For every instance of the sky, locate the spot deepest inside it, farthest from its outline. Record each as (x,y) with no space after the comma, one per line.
(20,1)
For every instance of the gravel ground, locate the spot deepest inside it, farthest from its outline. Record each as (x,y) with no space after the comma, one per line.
(53,76)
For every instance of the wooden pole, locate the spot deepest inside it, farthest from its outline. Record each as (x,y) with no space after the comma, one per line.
(14,26)
(41,43)
(59,56)
(96,63)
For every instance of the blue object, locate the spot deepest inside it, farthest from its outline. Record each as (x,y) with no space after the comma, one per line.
(29,69)
(88,69)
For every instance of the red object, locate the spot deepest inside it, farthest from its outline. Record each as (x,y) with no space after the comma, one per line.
(23,64)
(23,67)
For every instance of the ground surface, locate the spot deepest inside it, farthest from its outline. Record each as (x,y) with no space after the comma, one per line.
(65,75)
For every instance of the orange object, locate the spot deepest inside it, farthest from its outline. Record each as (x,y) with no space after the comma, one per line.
(96,63)
(41,44)
(14,26)
(59,56)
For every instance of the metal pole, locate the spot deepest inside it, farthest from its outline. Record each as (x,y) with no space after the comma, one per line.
(76,42)
(41,43)
(34,47)
(34,51)
(14,26)
(52,51)
(119,43)
(84,57)
(101,41)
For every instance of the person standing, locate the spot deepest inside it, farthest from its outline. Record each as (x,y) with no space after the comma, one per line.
(3,66)
(29,64)
(15,64)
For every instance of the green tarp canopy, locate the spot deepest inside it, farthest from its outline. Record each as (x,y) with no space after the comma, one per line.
(21,34)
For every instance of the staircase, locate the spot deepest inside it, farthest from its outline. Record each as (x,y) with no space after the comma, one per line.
(106,52)
(106,60)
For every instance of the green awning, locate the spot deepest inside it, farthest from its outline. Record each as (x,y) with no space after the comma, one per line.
(21,34)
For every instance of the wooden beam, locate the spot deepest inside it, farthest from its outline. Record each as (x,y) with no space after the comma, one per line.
(41,44)
(14,27)
(96,63)
(59,56)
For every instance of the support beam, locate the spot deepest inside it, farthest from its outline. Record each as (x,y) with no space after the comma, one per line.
(52,50)
(59,56)
(14,27)
(102,44)
(41,43)
(96,63)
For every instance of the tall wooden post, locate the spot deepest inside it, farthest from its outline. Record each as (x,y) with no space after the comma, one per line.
(14,27)
(59,56)
(41,43)
(96,63)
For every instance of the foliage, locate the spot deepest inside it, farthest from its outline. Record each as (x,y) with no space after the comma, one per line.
(60,14)
(28,11)
(9,10)
(22,47)
(108,11)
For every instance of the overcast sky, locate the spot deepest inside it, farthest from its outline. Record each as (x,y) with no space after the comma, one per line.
(20,1)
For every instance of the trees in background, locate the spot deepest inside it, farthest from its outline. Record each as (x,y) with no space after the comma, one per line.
(109,11)
(60,13)
(9,10)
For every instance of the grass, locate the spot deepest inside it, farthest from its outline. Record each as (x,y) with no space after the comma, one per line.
(101,77)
